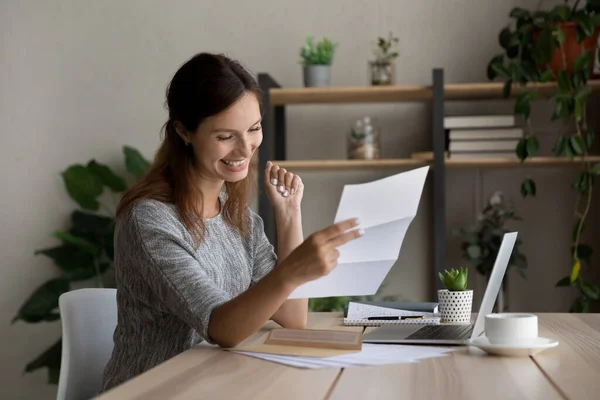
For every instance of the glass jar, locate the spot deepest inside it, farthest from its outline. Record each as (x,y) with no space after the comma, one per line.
(382,72)
(364,140)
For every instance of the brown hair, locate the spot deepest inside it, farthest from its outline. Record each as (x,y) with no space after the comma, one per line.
(204,86)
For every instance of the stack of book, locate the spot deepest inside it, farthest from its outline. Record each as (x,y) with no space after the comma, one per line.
(482,136)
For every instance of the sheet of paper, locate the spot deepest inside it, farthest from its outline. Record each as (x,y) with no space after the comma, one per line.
(386,208)
(358,311)
(371,354)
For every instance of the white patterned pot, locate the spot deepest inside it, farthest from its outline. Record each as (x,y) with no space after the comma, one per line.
(455,307)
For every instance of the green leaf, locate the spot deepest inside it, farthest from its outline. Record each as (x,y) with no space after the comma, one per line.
(78,242)
(575,271)
(583,93)
(569,152)
(43,302)
(522,149)
(595,169)
(564,282)
(560,13)
(495,65)
(528,187)
(563,81)
(68,257)
(591,291)
(51,359)
(504,38)
(136,164)
(83,186)
(97,229)
(559,147)
(533,145)
(519,13)
(583,61)
(523,104)
(580,306)
(586,25)
(577,144)
(107,176)
(578,111)
(547,76)
(584,252)
(590,136)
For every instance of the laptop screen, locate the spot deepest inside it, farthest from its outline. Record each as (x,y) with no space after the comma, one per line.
(493,287)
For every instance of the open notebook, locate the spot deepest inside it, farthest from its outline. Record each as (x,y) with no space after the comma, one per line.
(358,311)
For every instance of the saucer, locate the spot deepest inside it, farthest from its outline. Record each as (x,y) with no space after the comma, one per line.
(513,350)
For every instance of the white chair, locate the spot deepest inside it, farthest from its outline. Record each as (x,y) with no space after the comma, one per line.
(89,318)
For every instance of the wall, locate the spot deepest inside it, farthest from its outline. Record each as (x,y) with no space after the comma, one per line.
(81,79)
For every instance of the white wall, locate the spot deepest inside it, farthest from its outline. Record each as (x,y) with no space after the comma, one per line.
(80,79)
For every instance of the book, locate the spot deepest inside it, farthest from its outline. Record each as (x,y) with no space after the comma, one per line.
(485,134)
(418,306)
(357,312)
(479,121)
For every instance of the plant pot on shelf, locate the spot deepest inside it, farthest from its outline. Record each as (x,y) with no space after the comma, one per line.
(382,72)
(317,75)
(455,306)
(572,49)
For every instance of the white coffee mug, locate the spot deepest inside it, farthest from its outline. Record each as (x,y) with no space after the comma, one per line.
(511,328)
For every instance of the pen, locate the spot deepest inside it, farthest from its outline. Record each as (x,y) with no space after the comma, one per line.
(389,318)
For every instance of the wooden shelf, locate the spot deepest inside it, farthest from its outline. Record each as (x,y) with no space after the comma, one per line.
(350,164)
(349,94)
(390,94)
(419,161)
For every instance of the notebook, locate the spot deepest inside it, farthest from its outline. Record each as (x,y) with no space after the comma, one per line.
(358,311)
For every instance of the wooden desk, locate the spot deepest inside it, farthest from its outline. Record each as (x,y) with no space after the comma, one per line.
(569,371)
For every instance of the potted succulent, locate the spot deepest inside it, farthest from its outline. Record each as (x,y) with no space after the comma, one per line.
(455,301)
(382,68)
(316,59)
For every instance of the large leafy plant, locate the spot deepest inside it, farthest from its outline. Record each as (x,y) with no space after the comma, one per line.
(482,240)
(86,248)
(531,46)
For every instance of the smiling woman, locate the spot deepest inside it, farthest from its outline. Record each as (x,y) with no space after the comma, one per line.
(192,261)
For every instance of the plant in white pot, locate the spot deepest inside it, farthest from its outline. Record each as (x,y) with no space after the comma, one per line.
(316,59)
(382,68)
(455,301)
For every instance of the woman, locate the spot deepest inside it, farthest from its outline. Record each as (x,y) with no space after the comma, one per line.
(192,261)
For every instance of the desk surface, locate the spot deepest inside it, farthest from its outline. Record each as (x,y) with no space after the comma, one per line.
(569,371)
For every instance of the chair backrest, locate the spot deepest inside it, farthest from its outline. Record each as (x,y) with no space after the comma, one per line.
(89,318)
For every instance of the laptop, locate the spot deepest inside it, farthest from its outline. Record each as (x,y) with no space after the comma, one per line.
(448,334)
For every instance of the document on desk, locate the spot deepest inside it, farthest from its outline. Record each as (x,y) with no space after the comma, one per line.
(386,208)
(371,354)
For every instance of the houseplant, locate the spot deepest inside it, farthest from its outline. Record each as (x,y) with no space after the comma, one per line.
(482,240)
(86,248)
(557,47)
(382,68)
(455,301)
(316,59)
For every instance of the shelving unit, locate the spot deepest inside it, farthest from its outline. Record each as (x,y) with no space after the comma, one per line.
(276,98)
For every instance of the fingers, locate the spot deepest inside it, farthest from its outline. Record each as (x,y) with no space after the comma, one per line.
(295,184)
(281,188)
(286,183)
(346,237)
(274,175)
(338,229)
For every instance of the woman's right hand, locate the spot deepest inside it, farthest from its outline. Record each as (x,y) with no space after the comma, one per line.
(318,254)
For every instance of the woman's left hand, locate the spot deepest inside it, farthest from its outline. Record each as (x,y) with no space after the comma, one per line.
(283,188)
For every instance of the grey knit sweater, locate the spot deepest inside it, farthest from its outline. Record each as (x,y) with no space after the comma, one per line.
(166,290)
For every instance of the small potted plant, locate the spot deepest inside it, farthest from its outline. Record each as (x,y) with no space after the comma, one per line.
(382,68)
(456,301)
(316,59)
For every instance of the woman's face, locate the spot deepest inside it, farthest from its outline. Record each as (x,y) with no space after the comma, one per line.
(225,143)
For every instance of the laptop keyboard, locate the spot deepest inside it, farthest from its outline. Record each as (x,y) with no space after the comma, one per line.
(443,332)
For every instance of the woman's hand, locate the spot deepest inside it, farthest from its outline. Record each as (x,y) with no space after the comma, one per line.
(318,254)
(284,189)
